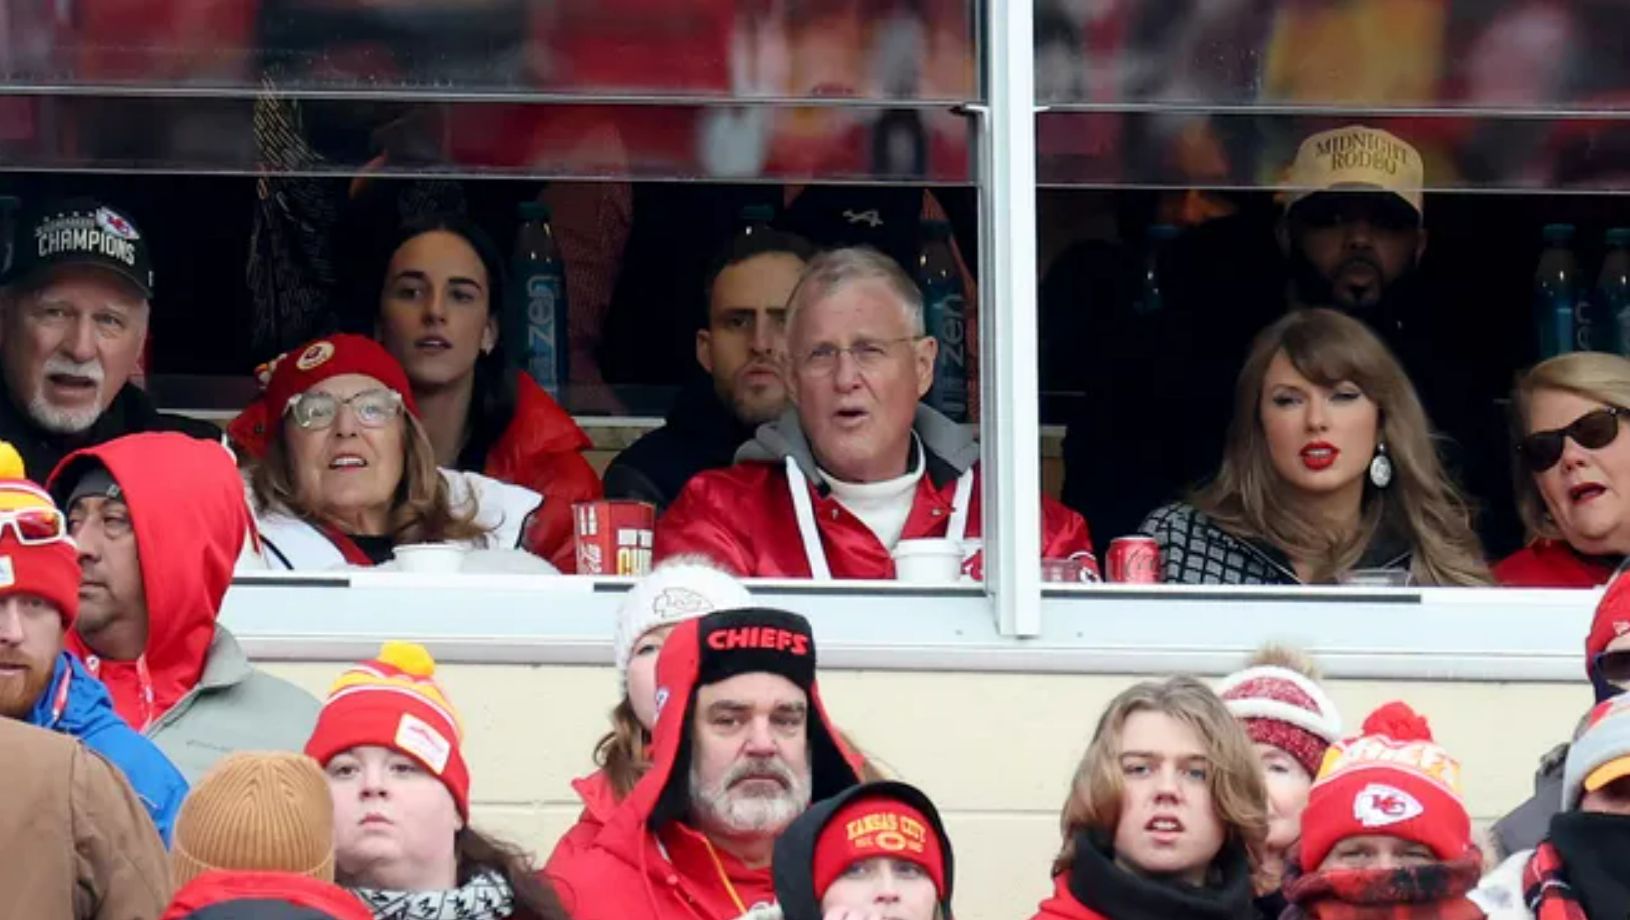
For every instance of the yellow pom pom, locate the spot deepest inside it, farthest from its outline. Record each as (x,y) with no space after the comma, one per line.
(11,462)
(409,658)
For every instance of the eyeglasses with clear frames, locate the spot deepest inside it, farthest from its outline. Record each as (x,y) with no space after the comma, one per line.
(375,408)
(869,354)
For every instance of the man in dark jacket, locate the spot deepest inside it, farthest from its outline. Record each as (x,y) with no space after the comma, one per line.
(73,325)
(741,348)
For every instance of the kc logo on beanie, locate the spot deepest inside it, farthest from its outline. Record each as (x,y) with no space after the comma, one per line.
(1394,780)
(871,828)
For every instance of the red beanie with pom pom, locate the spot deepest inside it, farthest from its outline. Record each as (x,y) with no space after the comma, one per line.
(1393,781)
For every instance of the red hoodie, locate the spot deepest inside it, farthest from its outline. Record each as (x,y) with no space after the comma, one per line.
(672,872)
(190,518)
(541,450)
(599,801)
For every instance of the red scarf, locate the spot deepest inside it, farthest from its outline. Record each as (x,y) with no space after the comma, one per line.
(1545,887)
(1431,892)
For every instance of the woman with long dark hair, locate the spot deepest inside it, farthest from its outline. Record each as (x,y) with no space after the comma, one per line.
(439,294)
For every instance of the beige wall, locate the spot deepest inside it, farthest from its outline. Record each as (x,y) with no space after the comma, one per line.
(994,750)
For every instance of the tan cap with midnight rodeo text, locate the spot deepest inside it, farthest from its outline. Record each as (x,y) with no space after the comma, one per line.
(1357,158)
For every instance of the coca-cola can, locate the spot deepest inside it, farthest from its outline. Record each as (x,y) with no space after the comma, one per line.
(1134,560)
(614,537)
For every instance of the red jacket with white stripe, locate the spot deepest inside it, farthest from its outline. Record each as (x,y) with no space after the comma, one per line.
(746,517)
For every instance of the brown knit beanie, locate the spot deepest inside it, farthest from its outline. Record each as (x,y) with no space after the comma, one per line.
(263,812)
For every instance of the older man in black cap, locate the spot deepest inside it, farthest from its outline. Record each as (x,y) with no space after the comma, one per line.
(74,310)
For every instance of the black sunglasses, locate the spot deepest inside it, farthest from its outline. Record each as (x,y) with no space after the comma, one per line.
(1614,666)
(1593,430)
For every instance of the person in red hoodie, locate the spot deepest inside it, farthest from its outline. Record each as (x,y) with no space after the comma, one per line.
(1163,812)
(858,465)
(1572,475)
(160,520)
(680,589)
(742,746)
(439,293)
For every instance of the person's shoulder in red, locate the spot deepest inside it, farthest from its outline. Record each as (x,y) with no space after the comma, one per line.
(1063,905)
(599,800)
(719,512)
(1547,563)
(541,449)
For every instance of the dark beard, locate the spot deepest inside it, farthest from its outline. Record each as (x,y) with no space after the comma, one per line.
(1312,289)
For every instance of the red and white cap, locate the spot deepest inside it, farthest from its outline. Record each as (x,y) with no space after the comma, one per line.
(1286,709)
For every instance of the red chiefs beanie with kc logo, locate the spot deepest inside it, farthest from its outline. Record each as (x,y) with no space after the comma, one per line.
(1394,781)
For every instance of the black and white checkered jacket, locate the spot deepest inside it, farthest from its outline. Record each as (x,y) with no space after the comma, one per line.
(1195,551)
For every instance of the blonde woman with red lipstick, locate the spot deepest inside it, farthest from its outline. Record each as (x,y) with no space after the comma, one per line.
(1329,469)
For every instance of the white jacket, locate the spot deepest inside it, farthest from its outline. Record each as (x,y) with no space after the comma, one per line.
(1500,892)
(289,542)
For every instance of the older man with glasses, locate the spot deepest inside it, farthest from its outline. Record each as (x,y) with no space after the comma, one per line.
(858,465)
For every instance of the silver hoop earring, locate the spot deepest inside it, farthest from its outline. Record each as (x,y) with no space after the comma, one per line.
(1381,468)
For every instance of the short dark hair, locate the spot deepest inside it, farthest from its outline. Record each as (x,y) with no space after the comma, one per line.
(762,241)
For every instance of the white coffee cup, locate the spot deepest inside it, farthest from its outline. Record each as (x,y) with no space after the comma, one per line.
(435,558)
(932,562)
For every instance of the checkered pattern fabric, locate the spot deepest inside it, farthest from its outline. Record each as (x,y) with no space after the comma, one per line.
(1195,551)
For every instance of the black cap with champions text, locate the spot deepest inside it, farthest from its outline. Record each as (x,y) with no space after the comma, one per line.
(80,231)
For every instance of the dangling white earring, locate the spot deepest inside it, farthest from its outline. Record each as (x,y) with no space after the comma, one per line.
(1381,468)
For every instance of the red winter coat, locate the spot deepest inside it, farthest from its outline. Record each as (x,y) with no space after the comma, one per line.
(1553,564)
(634,871)
(190,518)
(743,517)
(599,801)
(1063,905)
(541,450)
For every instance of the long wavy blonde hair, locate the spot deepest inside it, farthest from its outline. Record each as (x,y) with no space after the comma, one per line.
(421,509)
(1592,375)
(1248,498)
(1235,778)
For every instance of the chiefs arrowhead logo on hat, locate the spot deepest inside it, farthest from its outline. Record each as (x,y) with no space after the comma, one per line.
(1380,805)
(673,602)
(112,222)
(315,355)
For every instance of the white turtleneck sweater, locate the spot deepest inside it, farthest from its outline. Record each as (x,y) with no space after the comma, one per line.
(881,506)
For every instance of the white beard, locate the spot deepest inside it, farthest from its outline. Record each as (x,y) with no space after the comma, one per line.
(718,806)
(67,421)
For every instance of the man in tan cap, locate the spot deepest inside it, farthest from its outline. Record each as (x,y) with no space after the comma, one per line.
(1352,224)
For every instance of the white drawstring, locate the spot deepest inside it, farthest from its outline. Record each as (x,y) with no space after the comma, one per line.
(804,510)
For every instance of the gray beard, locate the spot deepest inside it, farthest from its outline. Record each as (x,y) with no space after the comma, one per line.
(718,807)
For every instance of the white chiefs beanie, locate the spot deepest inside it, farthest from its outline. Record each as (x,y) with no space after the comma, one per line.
(681,588)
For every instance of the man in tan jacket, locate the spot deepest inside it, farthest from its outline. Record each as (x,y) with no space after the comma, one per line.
(80,843)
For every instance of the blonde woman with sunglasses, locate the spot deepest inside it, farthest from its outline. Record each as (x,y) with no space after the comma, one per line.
(1572,471)
(346,474)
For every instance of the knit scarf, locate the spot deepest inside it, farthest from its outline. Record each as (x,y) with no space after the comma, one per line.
(1582,870)
(1108,889)
(486,896)
(1436,891)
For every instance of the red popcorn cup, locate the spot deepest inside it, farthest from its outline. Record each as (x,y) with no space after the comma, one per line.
(614,537)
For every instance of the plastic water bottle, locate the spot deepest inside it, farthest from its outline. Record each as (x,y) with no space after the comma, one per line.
(945,312)
(1152,286)
(1556,298)
(1612,298)
(535,317)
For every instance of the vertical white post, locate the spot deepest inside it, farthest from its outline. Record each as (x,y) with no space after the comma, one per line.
(1009,387)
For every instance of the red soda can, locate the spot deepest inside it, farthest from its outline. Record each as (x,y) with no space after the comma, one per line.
(614,537)
(1134,560)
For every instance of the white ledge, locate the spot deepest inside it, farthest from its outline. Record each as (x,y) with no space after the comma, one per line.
(1490,634)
